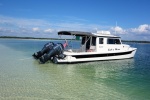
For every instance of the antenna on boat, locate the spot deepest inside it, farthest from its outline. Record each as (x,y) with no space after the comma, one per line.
(115,27)
(96,30)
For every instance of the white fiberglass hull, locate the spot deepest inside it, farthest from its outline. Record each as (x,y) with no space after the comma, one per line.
(91,56)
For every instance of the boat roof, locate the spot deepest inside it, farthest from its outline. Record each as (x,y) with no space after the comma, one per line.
(76,33)
(79,33)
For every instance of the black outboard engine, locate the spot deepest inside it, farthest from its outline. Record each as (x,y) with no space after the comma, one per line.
(47,47)
(56,50)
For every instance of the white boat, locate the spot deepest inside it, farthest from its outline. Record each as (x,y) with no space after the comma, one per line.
(96,47)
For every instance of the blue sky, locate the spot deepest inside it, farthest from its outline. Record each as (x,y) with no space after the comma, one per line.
(44,18)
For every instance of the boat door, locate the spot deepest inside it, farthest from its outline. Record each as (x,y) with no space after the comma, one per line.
(91,44)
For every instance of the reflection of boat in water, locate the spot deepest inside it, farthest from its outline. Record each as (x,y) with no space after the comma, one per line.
(94,47)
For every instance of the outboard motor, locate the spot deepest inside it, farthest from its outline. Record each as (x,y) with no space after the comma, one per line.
(47,47)
(56,50)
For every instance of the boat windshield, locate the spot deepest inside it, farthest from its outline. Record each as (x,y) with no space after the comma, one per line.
(113,41)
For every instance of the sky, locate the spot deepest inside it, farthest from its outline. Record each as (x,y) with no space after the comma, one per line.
(129,19)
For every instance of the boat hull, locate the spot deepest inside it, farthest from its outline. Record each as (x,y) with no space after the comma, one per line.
(88,57)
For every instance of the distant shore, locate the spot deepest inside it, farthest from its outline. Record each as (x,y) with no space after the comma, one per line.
(135,41)
(16,37)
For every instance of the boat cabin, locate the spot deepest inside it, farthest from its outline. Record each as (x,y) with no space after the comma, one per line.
(93,47)
(95,42)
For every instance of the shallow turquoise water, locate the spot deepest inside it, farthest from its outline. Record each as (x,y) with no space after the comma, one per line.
(23,78)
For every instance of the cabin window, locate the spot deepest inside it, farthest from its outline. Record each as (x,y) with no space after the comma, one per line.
(117,41)
(88,43)
(113,41)
(93,41)
(83,40)
(101,40)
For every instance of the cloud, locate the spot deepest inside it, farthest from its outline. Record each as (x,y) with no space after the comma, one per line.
(31,26)
(49,30)
(145,28)
(23,27)
(79,26)
(20,22)
(142,32)
(35,29)
(118,30)
(43,28)
(141,29)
